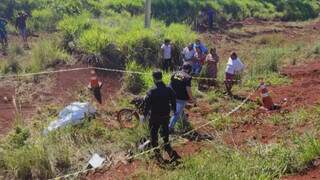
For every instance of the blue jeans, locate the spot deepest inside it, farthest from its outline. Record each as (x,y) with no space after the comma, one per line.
(181,104)
(196,68)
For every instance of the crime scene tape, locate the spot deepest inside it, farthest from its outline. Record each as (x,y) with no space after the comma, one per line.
(171,141)
(92,68)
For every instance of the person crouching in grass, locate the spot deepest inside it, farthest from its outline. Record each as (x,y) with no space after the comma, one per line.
(95,86)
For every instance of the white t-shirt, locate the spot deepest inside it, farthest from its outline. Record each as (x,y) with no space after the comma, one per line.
(167,49)
(187,54)
(234,66)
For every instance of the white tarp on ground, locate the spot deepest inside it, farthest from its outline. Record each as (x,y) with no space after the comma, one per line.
(96,161)
(72,114)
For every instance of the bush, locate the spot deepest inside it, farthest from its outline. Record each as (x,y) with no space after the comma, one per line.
(10,66)
(127,34)
(133,6)
(43,20)
(28,162)
(46,54)
(134,83)
(22,159)
(72,26)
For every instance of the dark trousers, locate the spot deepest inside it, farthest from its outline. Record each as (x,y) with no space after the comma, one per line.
(167,64)
(97,94)
(229,82)
(162,124)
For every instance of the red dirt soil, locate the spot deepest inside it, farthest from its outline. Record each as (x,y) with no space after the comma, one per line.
(126,171)
(65,83)
(304,91)
(312,174)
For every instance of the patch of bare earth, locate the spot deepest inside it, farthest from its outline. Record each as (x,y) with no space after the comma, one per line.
(60,88)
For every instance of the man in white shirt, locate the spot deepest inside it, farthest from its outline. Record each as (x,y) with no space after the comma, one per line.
(167,55)
(234,67)
(188,54)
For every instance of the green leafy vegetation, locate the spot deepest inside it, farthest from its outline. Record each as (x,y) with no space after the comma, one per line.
(46,54)
(126,33)
(111,32)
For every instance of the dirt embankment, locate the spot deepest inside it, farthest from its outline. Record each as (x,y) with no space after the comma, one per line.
(60,88)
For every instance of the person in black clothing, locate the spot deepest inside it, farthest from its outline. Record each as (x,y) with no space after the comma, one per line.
(160,100)
(21,25)
(181,84)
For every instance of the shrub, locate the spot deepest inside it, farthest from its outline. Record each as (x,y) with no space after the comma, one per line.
(10,66)
(134,83)
(126,34)
(133,6)
(28,162)
(72,26)
(46,54)
(43,20)
(94,40)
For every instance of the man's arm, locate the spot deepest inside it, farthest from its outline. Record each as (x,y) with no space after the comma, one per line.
(189,91)
(147,104)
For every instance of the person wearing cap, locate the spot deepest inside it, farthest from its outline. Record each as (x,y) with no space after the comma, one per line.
(160,100)
(181,84)
(3,35)
(234,67)
(21,25)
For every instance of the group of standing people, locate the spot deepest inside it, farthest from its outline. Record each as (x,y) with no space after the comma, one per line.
(163,99)
(21,26)
(196,54)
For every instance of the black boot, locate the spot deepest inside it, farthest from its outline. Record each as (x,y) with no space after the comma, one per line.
(174,156)
(158,157)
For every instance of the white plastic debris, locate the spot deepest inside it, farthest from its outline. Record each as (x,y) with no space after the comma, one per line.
(144,145)
(96,161)
(72,114)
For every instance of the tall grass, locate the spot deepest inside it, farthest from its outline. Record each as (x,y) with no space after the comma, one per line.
(127,34)
(44,55)
(27,154)
(259,162)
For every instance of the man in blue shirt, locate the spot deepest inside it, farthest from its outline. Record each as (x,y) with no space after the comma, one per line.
(3,35)
(199,44)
